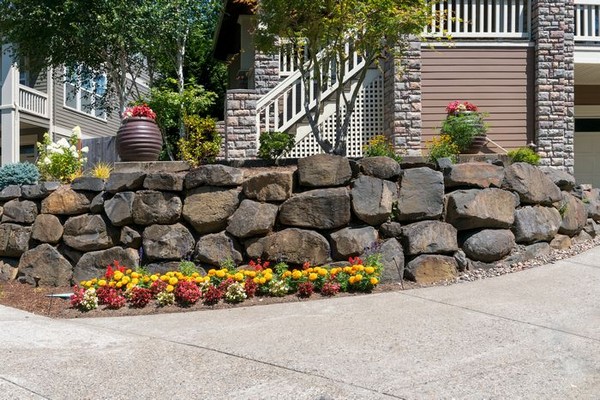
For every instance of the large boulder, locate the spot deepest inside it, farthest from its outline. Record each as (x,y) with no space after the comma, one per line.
(564,180)
(167,242)
(536,224)
(44,265)
(485,208)
(93,264)
(14,239)
(531,184)
(10,192)
(380,167)
(592,203)
(392,258)
(20,212)
(88,183)
(39,191)
(372,199)
(66,201)
(350,242)
(391,229)
(324,170)
(168,181)
(431,268)
(429,237)
(214,175)
(474,174)
(207,208)
(88,232)
(252,219)
(215,248)
(294,246)
(269,186)
(125,181)
(47,229)
(421,194)
(119,209)
(574,215)
(153,207)
(318,209)
(9,270)
(130,238)
(489,245)
(97,203)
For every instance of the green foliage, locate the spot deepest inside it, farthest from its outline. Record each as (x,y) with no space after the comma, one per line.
(524,154)
(202,142)
(228,264)
(63,160)
(380,146)
(275,144)
(187,268)
(142,270)
(463,127)
(442,147)
(18,174)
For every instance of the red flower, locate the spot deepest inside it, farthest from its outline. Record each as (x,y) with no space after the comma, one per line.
(141,110)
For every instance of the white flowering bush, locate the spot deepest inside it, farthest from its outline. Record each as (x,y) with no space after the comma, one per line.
(62,160)
(235,293)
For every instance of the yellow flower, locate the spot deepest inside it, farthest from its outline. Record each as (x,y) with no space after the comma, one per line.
(82,283)
(262,280)
(170,288)
(130,285)
(251,274)
(118,275)
(146,279)
(164,278)
(296,274)
(101,282)
(195,275)
(286,274)
(199,279)
(369,270)
(335,271)
(238,277)
(211,272)
(351,280)
(125,280)
(112,283)
(220,273)
(313,276)
(135,281)
(268,276)
(322,272)
(360,267)
(173,281)
(268,271)
(119,284)
(348,270)
(135,275)
(256,280)
(128,271)
(374,281)
(358,277)
(154,278)
(179,275)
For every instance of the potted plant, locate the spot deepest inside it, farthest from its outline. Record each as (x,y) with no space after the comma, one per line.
(139,138)
(465,126)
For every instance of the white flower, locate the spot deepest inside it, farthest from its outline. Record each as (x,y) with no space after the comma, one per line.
(63,143)
(73,149)
(77,131)
(85,149)
(47,160)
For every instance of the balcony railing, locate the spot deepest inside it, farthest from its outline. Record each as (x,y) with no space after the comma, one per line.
(587,15)
(33,101)
(480,19)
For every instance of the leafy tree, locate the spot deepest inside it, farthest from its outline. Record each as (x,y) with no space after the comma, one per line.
(320,30)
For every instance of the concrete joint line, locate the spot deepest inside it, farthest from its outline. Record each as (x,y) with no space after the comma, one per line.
(23,387)
(584,264)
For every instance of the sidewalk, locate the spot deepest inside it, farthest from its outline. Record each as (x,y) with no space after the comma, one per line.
(533,334)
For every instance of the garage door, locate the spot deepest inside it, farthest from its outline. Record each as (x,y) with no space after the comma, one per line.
(587,157)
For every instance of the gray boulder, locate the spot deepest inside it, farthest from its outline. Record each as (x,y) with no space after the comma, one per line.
(531,184)
(66,201)
(125,181)
(541,249)
(168,181)
(392,258)
(10,192)
(485,208)
(429,237)
(153,207)
(214,175)
(8,270)
(318,209)
(44,265)
(574,215)
(431,268)
(536,224)
(324,170)
(47,229)
(351,242)
(592,228)
(592,203)
(421,194)
(97,203)
(474,174)
(88,232)
(39,191)
(564,180)
(380,167)
(372,199)
(252,219)
(295,246)
(20,212)
(207,208)
(215,248)
(130,238)
(489,245)
(561,242)
(14,240)
(88,183)
(93,264)
(119,209)
(269,186)
(390,229)
(167,242)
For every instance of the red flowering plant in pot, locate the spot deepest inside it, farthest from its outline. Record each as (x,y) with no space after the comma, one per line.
(465,126)
(139,138)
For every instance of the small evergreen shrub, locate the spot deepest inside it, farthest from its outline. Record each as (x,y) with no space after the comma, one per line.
(202,142)
(102,170)
(275,144)
(18,174)
(524,154)
(379,145)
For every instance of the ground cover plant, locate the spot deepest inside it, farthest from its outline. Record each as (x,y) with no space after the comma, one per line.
(121,286)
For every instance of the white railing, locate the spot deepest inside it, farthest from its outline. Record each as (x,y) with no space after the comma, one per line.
(283,106)
(33,101)
(587,15)
(480,19)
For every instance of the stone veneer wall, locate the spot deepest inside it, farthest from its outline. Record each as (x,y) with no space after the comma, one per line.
(553,33)
(266,72)
(241,141)
(427,223)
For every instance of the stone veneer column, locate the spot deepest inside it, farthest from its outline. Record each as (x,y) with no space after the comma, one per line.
(402,98)
(241,141)
(266,72)
(553,34)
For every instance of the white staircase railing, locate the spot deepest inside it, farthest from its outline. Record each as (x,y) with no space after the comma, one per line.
(283,106)
(587,24)
(33,101)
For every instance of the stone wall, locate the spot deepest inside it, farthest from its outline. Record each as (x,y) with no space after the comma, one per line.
(241,141)
(427,222)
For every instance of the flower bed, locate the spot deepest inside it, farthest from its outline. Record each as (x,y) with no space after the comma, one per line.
(137,288)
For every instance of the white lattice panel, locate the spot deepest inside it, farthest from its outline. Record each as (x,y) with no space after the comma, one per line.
(366,121)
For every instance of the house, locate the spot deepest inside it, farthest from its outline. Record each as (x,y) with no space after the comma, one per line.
(32,103)
(533,65)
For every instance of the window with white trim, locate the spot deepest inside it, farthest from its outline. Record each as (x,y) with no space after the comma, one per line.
(85,91)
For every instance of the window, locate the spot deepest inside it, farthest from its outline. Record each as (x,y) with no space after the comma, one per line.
(85,91)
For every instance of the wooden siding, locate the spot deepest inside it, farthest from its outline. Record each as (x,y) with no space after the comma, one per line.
(498,80)
(587,95)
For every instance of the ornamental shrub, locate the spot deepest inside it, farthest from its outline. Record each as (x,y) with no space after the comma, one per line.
(273,145)
(63,160)
(18,174)
(524,154)
(379,145)
(442,147)
(202,142)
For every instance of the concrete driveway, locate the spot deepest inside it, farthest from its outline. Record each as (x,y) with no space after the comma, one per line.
(532,335)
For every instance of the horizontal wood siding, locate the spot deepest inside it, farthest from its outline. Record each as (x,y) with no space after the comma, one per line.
(498,80)
(587,95)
